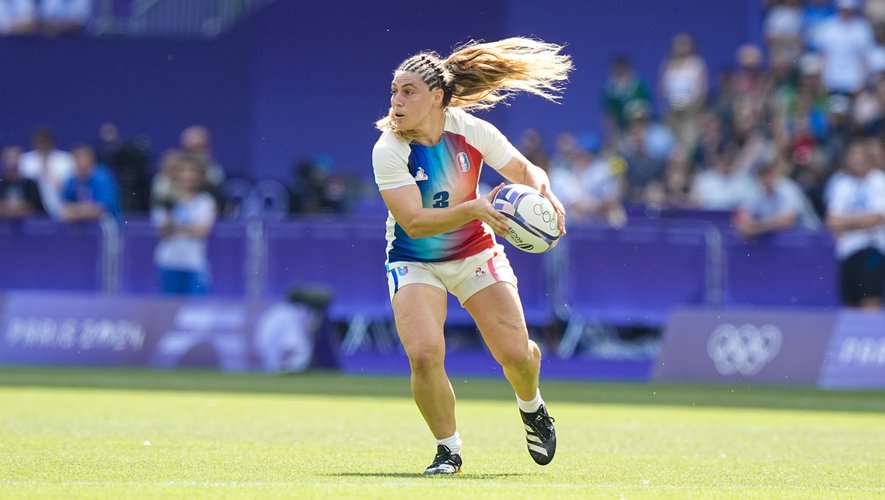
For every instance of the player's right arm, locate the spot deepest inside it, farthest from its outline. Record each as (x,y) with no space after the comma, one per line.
(419,222)
(403,198)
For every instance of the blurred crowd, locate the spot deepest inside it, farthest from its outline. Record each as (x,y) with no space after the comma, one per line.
(765,139)
(114,176)
(44,17)
(790,136)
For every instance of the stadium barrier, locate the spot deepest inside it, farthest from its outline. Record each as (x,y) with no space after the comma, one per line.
(828,348)
(101,330)
(597,278)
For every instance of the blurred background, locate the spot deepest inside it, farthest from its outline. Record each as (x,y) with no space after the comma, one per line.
(174,171)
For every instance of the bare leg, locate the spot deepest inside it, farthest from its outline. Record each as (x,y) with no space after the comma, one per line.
(420,314)
(498,314)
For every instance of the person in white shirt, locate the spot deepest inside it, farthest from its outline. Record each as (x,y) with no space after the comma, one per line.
(683,87)
(776,204)
(184,221)
(722,186)
(856,216)
(49,167)
(845,41)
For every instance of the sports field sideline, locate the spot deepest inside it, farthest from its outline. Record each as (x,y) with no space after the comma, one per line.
(76,433)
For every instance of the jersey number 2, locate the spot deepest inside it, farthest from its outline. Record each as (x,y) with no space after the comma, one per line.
(442,199)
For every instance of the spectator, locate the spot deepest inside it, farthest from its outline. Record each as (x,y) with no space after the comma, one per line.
(62,17)
(50,167)
(129,161)
(845,41)
(677,179)
(19,196)
(645,147)
(815,13)
(622,87)
(317,190)
(591,186)
(184,216)
(749,82)
(684,89)
(92,192)
(783,29)
(776,204)
(531,145)
(721,186)
(17,17)
(856,216)
(197,140)
(869,109)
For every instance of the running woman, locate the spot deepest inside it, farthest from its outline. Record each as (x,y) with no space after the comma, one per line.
(441,232)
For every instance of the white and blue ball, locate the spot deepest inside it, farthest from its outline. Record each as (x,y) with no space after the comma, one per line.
(534,224)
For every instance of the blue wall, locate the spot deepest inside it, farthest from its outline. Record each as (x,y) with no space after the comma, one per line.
(302,78)
(148,87)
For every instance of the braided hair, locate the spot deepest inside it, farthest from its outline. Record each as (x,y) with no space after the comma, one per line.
(482,75)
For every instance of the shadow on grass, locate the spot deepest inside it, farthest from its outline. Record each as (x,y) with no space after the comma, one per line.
(412,475)
(335,384)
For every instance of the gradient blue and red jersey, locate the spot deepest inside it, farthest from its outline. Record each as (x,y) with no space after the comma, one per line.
(446,174)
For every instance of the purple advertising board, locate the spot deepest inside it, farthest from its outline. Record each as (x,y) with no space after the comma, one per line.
(774,346)
(49,329)
(855,357)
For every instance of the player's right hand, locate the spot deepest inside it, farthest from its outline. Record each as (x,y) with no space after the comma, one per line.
(484,210)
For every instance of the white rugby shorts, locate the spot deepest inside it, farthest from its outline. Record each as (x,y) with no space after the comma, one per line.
(462,278)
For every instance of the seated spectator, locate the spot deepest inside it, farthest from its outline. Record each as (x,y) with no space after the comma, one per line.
(856,216)
(677,179)
(62,17)
(129,160)
(776,204)
(531,145)
(721,186)
(49,167)
(184,216)
(92,192)
(19,196)
(317,190)
(17,17)
(645,147)
(591,187)
(622,87)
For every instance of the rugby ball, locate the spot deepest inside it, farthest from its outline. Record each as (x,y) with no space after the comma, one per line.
(533,221)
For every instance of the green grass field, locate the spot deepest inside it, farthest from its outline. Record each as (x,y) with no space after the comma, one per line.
(68,433)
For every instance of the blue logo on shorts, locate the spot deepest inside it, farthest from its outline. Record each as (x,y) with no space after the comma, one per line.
(402,271)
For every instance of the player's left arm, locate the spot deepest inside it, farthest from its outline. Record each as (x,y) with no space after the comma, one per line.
(520,170)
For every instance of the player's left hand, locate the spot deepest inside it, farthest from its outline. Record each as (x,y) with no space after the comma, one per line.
(560,210)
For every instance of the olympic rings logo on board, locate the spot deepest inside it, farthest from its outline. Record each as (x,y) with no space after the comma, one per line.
(745,349)
(548,217)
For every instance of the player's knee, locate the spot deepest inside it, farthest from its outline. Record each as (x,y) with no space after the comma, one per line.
(517,357)
(426,357)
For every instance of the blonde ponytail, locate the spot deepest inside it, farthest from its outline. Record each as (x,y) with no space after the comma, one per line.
(481,75)
(485,74)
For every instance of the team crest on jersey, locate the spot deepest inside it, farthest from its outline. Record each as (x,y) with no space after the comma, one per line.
(463,161)
(420,175)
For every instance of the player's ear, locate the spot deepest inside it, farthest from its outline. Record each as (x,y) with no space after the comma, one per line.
(438,95)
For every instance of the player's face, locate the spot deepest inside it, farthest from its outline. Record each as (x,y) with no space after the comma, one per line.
(411,100)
